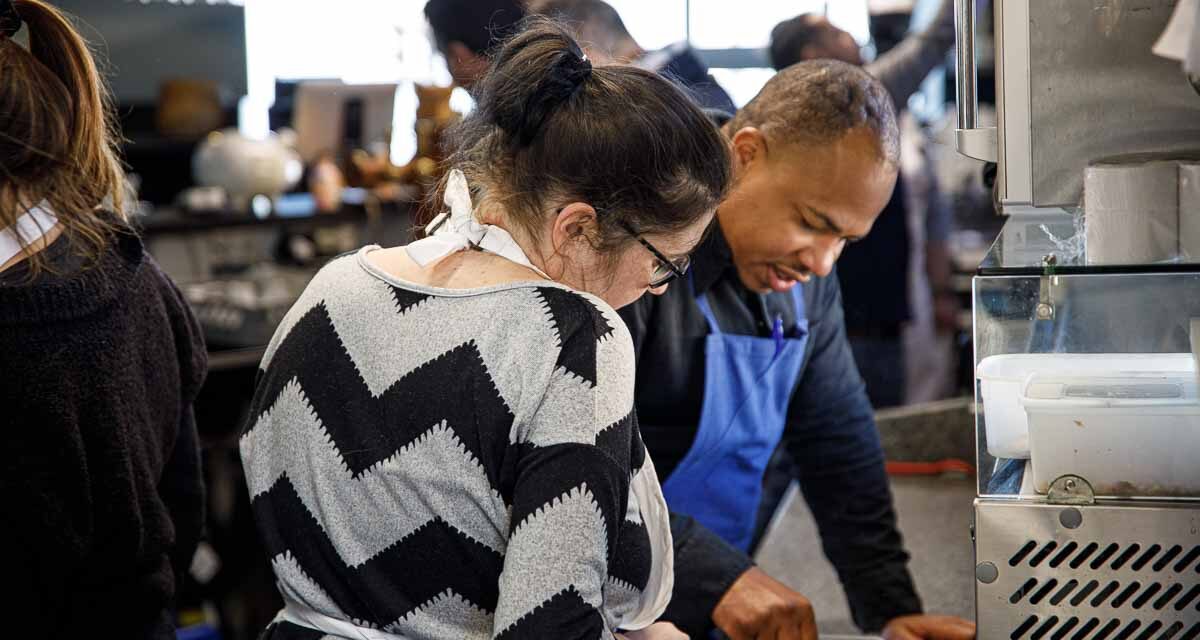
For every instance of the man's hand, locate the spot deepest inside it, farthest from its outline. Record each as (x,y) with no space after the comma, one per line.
(758,606)
(929,628)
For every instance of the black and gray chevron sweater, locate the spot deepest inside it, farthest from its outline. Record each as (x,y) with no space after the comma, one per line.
(433,463)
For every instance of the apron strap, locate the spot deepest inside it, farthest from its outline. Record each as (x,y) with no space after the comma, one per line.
(705,308)
(711,319)
(801,311)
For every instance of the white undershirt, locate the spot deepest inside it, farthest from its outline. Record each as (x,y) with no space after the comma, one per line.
(30,227)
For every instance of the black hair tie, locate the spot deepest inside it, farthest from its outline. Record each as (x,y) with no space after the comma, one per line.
(10,20)
(564,79)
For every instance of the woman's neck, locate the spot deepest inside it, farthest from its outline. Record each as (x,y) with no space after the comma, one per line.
(529,246)
(461,270)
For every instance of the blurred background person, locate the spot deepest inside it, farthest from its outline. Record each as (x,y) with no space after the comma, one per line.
(464,31)
(603,35)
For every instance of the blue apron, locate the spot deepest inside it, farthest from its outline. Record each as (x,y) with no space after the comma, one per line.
(748,383)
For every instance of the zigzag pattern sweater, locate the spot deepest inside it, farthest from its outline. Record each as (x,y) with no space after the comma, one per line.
(431,463)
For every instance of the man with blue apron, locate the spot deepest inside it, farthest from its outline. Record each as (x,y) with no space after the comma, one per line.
(747,358)
(748,382)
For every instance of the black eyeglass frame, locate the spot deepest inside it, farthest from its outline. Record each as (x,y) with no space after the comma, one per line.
(674,270)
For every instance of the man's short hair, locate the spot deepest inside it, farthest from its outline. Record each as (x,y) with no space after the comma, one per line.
(789,38)
(478,24)
(818,102)
(584,16)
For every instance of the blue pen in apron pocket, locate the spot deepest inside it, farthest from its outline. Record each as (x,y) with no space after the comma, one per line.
(777,333)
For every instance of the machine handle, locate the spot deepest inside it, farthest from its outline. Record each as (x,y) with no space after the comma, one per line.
(971,141)
(967,89)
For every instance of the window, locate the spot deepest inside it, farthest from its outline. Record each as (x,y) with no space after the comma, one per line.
(357,41)
(730,36)
(388,41)
(654,23)
(717,25)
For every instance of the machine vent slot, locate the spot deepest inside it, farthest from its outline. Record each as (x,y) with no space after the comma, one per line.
(1187,560)
(1066,628)
(1083,555)
(1125,633)
(1050,623)
(1107,591)
(1146,557)
(1125,595)
(1126,556)
(1086,629)
(1084,593)
(1020,631)
(1151,629)
(1025,590)
(1105,555)
(1107,630)
(1064,592)
(1166,598)
(1063,555)
(1150,592)
(1043,554)
(1192,633)
(1024,551)
(1171,631)
(1167,557)
(1187,598)
(1043,592)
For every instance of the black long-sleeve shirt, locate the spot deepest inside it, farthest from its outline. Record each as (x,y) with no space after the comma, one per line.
(830,432)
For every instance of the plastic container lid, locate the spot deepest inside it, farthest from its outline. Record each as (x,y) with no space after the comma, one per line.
(1141,389)
(1016,367)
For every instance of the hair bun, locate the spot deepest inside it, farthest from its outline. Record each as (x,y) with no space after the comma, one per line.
(562,80)
(573,67)
(535,73)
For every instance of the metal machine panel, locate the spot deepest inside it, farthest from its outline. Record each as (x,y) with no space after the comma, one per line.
(1096,90)
(1087,572)
(1012,107)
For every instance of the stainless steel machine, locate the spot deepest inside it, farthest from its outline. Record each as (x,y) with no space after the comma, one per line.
(1087,521)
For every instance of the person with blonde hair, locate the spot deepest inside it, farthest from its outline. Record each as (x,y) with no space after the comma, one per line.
(100,361)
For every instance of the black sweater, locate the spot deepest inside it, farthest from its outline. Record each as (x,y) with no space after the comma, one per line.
(101,485)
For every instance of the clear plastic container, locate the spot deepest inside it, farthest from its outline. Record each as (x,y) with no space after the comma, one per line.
(1132,434)
(1003,379)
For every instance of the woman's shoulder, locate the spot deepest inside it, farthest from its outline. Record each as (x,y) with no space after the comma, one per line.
(575,312)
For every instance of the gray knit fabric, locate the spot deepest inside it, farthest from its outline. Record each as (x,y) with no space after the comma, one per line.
(450,464)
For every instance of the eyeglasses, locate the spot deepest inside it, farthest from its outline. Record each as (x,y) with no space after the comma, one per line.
(666,270)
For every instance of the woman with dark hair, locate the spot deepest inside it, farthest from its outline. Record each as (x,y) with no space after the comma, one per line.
(442,443)
(100,360)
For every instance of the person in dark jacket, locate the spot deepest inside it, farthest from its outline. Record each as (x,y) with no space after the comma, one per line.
(100,361)
(751,356)
(606,40)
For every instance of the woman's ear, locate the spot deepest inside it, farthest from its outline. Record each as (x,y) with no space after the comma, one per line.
(574,222)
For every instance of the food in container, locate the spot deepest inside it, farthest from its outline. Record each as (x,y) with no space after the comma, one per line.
(1127,434)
